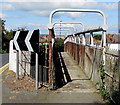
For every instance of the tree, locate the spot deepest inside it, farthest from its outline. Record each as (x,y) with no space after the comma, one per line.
(98,37)
(59,45)
(4,42)
(9,35)
(5,37)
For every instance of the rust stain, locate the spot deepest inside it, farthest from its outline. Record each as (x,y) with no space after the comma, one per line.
(50,56)
(91,50)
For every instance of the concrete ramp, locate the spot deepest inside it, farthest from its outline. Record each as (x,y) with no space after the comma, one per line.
(79,83)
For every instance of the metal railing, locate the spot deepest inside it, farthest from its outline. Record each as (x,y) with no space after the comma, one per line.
(73,37)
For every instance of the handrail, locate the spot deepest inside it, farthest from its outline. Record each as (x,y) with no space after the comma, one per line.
(104,27)
(78,10)
(69,23)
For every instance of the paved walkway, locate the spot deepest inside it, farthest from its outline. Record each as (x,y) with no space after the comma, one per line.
(79,82)
(79,90)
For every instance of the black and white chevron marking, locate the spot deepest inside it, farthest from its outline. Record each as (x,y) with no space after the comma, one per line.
(26,40)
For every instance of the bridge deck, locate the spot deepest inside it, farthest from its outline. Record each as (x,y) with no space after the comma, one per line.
(79,81)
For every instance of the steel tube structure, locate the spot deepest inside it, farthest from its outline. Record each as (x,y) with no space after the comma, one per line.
(69,23)
(67,30)
(78,10)
(36,67)
(104,27)
(64,28)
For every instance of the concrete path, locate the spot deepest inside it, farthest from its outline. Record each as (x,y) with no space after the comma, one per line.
(79,83)
(79,90)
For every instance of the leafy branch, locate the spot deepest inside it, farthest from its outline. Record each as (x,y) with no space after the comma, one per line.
(102,88)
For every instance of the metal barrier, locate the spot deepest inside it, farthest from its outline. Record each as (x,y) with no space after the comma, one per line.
(74,37)
(80,23)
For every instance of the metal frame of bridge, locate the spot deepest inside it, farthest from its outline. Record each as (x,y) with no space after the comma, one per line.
(102,28)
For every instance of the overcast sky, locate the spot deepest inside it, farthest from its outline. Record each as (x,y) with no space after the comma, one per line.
(35,15)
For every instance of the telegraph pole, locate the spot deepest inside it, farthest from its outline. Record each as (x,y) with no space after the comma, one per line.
(60,29)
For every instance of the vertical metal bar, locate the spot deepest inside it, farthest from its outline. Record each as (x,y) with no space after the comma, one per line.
(91,39)
(50,57)
(79,39)
(83,39)
(75,39)
(36,71)
(104,46)
(60,30)
(17,65)
(25,63)
(46,62)
(20,63)
(104,38)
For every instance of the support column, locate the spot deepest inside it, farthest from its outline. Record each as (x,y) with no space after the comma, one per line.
(91,39)
(36,69)
(46,52)
(20,62)
(104,46)
(79,39)
(75,39)
(83,39)
(17,65)
(50,57)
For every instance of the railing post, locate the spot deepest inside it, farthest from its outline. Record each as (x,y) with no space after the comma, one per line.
(70,23)
(91,39)
(17,65)
(83,39)
(79,39)
(36,69)
(50,57)
(70,39)
(104,46)
(75,39)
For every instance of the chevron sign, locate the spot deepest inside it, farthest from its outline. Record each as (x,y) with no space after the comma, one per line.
(26,40)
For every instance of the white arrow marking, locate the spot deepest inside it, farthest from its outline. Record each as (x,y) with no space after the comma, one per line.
(27,41)
(15,40)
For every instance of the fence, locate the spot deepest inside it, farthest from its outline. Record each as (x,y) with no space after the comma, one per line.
(43,63)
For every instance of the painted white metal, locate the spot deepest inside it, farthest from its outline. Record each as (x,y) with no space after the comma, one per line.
(53,25)
(77,10)
(15,40)
(114,47)
(75,40)
(104,38)
(79,39)
(91,39)
(20,63)
(104,26)
(27,39)
(17,65)
(83,10)
(12,57)
(65,28)
(53,41)
(83,40)
(36,71)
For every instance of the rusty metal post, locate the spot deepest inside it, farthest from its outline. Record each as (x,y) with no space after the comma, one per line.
(50,57)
